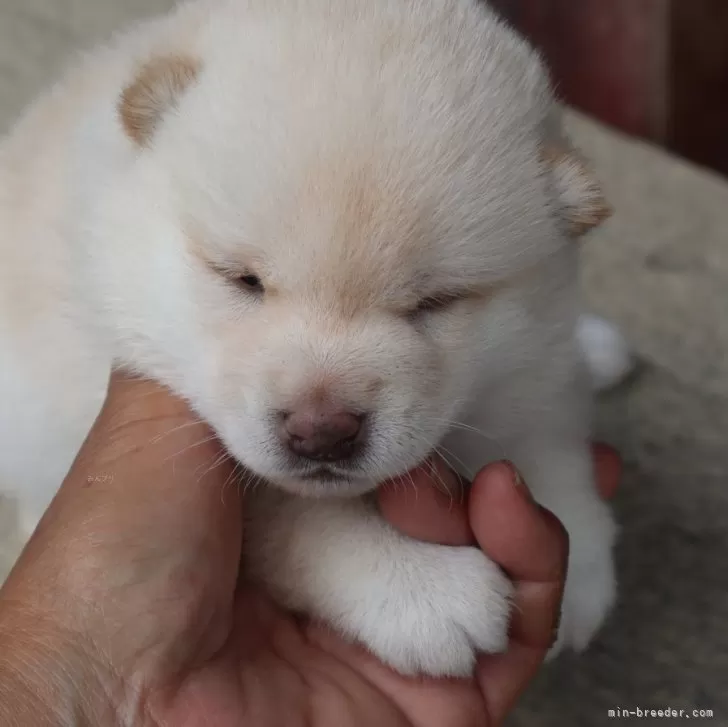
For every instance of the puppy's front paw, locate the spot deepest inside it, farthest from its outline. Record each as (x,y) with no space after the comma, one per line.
(437,611)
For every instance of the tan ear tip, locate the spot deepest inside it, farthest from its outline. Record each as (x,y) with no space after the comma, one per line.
(606,210)
(590,217)
(135,121)
(156,88)
(584,205)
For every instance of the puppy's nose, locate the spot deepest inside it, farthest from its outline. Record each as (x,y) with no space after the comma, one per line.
(321,433)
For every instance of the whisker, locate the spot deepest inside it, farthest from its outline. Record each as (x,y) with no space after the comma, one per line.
(474,430)
(448,456)
(221,459)
(411,480)
(199,443)
(437,478)
(231,479)
(186,425)
(250,483)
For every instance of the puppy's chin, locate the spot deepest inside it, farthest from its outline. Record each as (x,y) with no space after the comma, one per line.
(324,483)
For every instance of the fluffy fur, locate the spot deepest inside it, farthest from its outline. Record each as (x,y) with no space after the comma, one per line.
(359,158)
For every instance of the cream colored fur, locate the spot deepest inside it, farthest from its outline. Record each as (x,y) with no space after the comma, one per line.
(358,157)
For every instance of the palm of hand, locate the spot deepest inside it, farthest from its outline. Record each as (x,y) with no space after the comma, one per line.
(326,682)
(208,652)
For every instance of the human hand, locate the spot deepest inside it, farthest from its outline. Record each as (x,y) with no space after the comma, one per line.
(130,588)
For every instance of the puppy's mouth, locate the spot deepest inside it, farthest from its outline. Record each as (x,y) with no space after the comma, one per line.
(326,481)
(326,474)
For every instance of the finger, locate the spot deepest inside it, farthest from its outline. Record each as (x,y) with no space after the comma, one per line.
(504,677)
(608,468)
(428,504)
(534,625)
(531,545)
(526,541)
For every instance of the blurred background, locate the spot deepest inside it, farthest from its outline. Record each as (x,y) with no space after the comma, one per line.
(654,68)
(650,78)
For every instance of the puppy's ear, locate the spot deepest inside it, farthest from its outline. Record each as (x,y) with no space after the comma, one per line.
(581,198)
(156,90)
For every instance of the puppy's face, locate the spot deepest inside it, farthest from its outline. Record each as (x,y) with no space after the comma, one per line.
(336,288)
(347,324)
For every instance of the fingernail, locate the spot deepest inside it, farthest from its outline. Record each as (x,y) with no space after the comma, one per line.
(518,480)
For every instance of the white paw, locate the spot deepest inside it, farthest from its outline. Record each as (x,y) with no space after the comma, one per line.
(605,350)
(441,608)
(591,590)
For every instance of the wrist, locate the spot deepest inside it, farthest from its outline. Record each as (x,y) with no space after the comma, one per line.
(46,676)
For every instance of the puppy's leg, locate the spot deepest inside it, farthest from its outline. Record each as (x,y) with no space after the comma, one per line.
(420,608)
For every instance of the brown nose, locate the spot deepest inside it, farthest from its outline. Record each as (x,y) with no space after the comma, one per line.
(320,433)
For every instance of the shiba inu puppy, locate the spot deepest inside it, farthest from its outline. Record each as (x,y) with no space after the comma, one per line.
(345,231)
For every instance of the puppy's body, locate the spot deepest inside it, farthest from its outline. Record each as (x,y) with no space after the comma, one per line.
(374,174)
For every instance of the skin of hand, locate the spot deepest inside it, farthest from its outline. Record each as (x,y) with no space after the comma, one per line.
(126,606)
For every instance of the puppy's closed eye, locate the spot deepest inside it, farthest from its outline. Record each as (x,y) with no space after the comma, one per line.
(244,279)
(250,282)
(437,302)
(441,302)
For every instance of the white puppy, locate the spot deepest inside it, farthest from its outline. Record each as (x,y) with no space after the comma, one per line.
(344,231)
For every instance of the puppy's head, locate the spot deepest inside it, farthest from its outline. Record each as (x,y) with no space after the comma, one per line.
(335,235)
